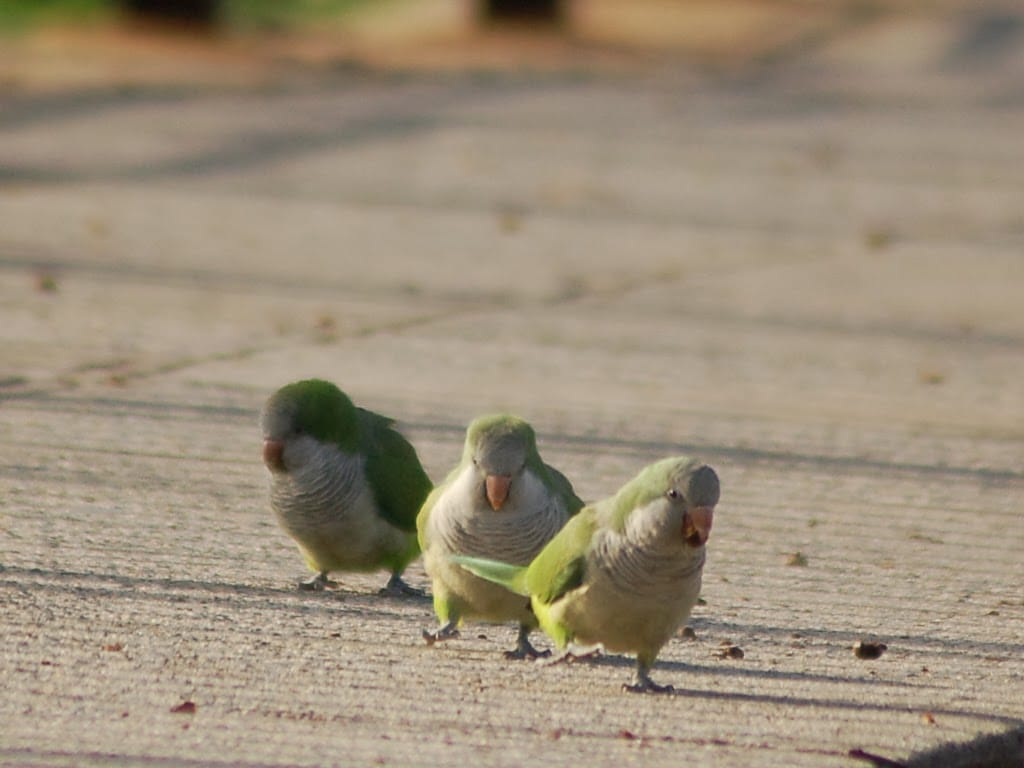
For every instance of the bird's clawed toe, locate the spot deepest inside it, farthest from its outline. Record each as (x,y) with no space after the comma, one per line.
(397,587)
(318,583)
(447,632)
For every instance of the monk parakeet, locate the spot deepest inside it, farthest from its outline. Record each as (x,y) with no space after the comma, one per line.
(501,502)
(625,572)
(343,483)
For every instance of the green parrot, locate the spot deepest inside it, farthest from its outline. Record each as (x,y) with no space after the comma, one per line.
(343,483)
(626,571)
(501,502)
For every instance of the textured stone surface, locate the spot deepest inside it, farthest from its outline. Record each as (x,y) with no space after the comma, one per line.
(808,273)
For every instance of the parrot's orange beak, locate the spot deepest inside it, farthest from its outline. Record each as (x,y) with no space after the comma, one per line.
(697,525)
(496,487)
(273,455)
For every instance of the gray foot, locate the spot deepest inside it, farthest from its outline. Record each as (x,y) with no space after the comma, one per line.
(318,583)
(642,683)
(446,632)
(647,686)
(524,649)
(571,657)
(396,587)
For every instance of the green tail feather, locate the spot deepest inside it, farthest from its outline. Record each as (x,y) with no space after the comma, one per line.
(512,577)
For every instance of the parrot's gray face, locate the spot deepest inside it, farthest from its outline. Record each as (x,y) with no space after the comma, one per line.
(281,433)
(500,462)
(682,517)
(697,494)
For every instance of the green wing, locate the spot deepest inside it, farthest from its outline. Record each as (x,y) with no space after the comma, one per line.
(396,476)
(561,565)
(556,483)
(560,485)
(511,577)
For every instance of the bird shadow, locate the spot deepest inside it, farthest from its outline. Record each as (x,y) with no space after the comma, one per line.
(289,599)
(745,695)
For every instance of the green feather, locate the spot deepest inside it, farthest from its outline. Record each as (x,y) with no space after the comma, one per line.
(647,486)
(321,410)
(512,577)
(559,568)
(559,484)
(393,470)
(494,428)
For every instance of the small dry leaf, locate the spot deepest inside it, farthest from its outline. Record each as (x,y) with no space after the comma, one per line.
(628,735)
(185,708)
(729,651)
(510,221)
(931,377)
(98,227)
(863,649)
(798,559)
(325,328)
(113,647)
(46,281)
(928,717)
(878,238)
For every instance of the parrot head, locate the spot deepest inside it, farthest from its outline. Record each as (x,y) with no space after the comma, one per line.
(302,414)
(672,501)
(499,448)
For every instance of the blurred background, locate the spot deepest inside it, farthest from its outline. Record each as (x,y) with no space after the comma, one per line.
(75,39)
(610,144)
(784,235)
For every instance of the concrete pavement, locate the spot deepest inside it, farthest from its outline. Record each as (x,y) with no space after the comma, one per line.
(807,272)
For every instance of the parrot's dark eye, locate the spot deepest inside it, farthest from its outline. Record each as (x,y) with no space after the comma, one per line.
(674,494)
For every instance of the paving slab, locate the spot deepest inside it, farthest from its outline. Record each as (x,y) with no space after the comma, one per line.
(807,272)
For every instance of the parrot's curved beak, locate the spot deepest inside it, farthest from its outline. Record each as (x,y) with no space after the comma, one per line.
(496,487)
(273,455)
(697,525)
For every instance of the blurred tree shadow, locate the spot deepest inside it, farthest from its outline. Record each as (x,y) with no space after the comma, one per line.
(548,11)
(199,13)
(204,13)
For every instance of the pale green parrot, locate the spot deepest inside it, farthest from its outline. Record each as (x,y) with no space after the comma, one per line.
(625,572)
(343,483)
(501,502)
